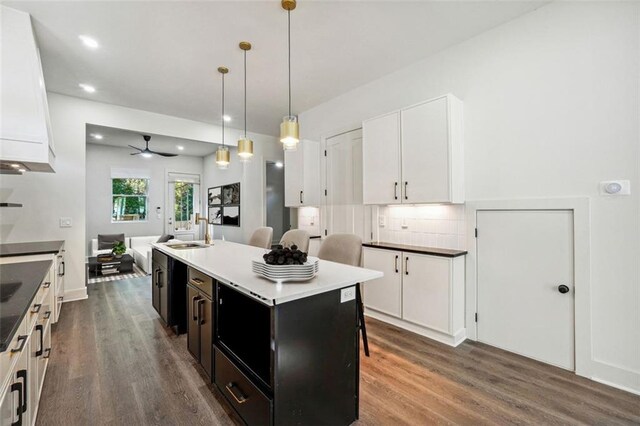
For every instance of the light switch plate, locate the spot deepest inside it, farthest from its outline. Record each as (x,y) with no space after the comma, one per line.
(347,294)
(65,222)
(381,221)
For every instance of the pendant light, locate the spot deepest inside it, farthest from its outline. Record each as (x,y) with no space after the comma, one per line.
(245,145)
(222,154)
(289,128)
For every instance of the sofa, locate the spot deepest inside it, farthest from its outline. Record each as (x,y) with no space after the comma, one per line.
(141,248)
(95,251)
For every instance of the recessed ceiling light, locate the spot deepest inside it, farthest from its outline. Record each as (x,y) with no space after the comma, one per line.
(226,117)
(15,166)
(180,147)
(279,164)
(22,170)
(96,136)
(87,88)
(89,42)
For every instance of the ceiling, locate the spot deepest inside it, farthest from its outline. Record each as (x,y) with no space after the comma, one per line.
(123,138)
(163,56)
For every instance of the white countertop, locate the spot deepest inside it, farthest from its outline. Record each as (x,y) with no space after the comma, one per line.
(230,263)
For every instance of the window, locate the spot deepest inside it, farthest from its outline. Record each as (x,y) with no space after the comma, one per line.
(183,204)
(129,199)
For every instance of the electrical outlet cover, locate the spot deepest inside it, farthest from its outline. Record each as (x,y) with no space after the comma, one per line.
(347,294)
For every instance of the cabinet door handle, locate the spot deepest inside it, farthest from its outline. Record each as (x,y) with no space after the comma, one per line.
(240,400)
(47,353)
(200,316)
(40,328)
(395,190)
(36,308)
(406,197)
(22,340)
(196,281)
(397,263)
(193,307)
(64,269)
(301,199)
(159,280)
(47,315)
(47,284)
(406,265)
(17,387)
(22,374)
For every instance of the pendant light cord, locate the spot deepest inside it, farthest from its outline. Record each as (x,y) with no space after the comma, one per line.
(245,94)
(289,48)
(223,109)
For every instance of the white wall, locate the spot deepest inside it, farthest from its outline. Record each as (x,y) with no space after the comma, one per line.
(47,197)
(551,105)
(100,160)
(252,178)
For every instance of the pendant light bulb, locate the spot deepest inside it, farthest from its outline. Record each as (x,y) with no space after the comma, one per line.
(245,145)
(289,128)
(223,157)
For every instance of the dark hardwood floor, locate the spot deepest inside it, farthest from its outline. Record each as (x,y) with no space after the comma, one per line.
(113,363)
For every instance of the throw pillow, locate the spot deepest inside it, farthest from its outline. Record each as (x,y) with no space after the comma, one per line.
(164,238)
(107,241)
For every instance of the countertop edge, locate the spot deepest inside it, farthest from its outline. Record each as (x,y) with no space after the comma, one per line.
(432,251)
(32,252)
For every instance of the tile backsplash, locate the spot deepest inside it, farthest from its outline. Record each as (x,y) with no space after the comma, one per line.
(441,226)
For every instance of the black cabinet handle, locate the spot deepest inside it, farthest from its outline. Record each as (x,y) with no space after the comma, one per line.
(64,269)
(36,308)
(46,284)
(406,197)
(395,190)
(159,280)
(194,309)
(406,265)
(17,387)
(60,298)
(22,374)
(241,399)
(40,328)
(22,340)
(563,289)
(301,200)
(201,302)
(47,315)
(157,283)
(397,263)
(47,353)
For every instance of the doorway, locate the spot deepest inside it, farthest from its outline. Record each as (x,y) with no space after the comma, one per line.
(183,202)
(525,283)
(278,216)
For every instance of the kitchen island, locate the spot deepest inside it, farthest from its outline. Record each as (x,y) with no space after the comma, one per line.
(280,353)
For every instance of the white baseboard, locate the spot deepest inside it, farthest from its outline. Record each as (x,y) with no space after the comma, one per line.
(447,339)
(617,377)
(75,294)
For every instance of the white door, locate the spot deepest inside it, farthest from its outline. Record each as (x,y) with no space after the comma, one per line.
(384,294)
(525,283)
(310,172)
(426,297)
(293,178)
(425,153)
(345,212)
(381,160)
(183,202)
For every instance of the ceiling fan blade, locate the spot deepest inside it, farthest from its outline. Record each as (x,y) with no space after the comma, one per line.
(135,147)
(135,153)
(163,154)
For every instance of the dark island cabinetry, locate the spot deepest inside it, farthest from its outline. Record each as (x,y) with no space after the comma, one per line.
(168,290)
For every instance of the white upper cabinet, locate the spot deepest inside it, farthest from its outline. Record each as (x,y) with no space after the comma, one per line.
(417,150)
(302,175)
(25,130)
(381,160)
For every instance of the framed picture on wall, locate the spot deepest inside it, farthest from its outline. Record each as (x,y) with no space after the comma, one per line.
(214,197)
(231,215)
(231,194)
(215,215)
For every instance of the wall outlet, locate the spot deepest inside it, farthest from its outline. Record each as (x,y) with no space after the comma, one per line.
(347,294)
(404,223)
(65,222)
(381,221)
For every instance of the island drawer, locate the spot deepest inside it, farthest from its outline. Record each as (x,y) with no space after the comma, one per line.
(8,357)
(201,281)
(160,258)
(253,406)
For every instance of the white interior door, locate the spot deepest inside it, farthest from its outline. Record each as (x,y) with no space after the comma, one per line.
(525,257)
(345,211)
(183,202)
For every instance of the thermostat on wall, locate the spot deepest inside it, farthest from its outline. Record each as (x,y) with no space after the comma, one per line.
(615,187)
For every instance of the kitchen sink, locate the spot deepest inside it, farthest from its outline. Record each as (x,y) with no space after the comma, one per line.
(185,246)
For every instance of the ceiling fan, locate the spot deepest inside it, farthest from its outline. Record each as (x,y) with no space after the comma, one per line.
(146,152)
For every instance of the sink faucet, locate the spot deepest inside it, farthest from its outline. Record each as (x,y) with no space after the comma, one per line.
(207,237)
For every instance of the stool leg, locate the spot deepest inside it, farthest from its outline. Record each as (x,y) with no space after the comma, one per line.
(363,326)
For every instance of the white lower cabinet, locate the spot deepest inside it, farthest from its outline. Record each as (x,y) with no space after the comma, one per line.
(420,293)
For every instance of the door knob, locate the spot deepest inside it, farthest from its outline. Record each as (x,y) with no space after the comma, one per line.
(563,289)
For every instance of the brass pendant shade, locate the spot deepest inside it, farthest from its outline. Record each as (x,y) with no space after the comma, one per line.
(223,157)
(289,128)
(245,145)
